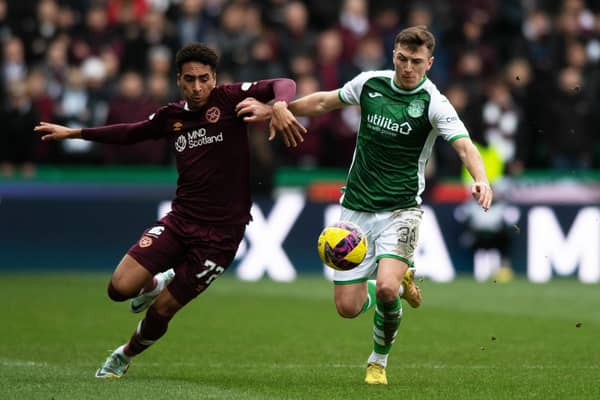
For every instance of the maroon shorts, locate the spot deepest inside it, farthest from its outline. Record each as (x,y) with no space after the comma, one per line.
(198,256)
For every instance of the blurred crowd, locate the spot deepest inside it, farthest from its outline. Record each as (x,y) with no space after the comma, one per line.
(524,75)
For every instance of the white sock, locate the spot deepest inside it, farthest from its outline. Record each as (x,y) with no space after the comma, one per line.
(377,358)
(121,351)
(160,282)
(401,290)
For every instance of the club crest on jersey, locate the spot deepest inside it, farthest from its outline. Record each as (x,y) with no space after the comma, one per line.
(145,241)
(213,114)
(180,143)
(177,126)
(415,108)
(155,231)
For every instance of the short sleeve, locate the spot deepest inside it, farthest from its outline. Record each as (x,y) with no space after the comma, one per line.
(445,119)
(350,92)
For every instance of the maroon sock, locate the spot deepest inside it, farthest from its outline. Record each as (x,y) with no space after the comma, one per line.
(149,330)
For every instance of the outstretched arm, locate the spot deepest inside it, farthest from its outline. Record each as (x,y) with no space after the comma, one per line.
(283,121)
(253,110)
(112,134)
(57,132)
(469,155)
(316,103)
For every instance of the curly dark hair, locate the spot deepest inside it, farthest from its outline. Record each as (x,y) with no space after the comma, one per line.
(196,52)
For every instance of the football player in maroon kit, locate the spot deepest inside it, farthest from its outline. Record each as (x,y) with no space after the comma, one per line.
(193,244)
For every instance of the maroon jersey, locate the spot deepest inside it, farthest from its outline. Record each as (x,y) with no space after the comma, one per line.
(211,152)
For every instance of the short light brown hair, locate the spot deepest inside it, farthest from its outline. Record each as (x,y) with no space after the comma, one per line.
(415,37)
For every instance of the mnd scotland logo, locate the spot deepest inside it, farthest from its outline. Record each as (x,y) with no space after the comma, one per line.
(196,138)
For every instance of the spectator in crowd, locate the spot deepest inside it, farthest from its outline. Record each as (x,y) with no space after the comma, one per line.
(501,117)
(369,54)
(309,154)
(17,118)
(120,11)
(43,106)
(331,69)
(489,235)
(156,33)
(302,64)
(5,28)
(447,163)
(538,43)
(192,23)
(232,40)
(519,80)
(95,35)
(386,22)
(295,35)
(14,67)
(353,25)
(262,62)
(40,30)
(570,134)
(42,102)
(56,67)
(159,88)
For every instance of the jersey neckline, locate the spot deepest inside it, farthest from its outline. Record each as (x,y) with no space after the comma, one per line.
(398,89)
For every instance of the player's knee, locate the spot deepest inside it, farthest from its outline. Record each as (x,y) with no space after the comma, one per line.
(347,309)
(386,291)
(115,294)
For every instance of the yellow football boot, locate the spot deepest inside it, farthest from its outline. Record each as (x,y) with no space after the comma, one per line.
(375,374)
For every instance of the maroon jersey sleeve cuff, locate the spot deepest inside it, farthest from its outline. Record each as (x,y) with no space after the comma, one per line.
(284,90)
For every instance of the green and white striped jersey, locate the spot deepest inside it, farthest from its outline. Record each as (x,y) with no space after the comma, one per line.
(396,135)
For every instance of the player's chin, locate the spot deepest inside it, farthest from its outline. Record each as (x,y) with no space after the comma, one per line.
(408,83)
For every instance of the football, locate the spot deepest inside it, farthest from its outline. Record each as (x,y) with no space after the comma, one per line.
(342,246)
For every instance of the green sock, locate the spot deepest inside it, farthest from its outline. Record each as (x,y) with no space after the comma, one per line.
(385,325)
(370,301)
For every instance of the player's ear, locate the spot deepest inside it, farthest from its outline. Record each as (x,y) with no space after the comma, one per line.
(177,79)
(430,62)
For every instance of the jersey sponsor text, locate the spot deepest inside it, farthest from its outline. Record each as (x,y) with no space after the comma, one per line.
(388,126)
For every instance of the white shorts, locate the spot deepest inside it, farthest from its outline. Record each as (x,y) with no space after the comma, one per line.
(390,234)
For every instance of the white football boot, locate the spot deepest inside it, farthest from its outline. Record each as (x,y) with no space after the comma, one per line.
(145,299)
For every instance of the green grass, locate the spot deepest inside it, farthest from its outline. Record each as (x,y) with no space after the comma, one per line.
(270,340)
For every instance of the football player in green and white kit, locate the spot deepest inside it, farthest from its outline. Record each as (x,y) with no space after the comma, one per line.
(402,114)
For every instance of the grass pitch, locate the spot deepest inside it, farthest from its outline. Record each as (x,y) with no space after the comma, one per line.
(270,340)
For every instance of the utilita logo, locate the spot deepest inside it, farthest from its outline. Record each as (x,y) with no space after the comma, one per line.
(388,126)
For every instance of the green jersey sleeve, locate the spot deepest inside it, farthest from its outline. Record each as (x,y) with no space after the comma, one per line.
(444,118)
(351,91)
